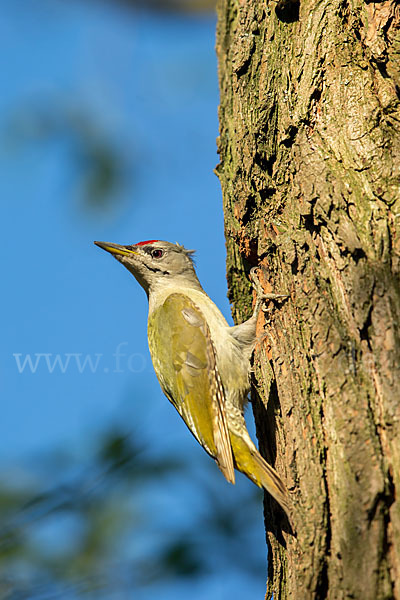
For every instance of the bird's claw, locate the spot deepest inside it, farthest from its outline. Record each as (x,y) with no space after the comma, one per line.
(261,295)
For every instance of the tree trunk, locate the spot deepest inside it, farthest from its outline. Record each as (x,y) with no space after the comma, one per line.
(310,161)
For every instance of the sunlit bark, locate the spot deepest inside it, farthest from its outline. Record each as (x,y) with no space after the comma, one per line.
(310,161)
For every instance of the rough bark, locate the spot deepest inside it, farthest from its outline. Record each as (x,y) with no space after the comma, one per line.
(310,161)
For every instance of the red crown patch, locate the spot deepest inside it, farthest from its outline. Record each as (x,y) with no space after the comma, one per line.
(146,242)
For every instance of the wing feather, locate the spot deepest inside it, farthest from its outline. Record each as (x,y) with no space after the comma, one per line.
(185,362)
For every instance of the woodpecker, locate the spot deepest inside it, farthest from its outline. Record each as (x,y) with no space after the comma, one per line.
(202,364)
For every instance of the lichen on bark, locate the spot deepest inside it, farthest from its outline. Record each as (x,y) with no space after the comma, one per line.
(310,174)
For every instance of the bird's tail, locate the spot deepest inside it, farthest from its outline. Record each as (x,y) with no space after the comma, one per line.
(250,462)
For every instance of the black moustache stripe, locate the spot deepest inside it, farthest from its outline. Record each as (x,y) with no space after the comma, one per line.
(155,270)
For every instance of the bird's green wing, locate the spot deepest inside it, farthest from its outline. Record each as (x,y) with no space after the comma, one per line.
(185,363)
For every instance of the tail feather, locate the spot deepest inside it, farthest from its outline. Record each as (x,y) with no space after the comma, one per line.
(250,462)
(271,481)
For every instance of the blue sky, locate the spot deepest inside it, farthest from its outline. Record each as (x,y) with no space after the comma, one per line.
(137,76)
(147,84)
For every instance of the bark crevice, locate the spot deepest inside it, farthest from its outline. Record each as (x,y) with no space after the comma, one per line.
(310,174)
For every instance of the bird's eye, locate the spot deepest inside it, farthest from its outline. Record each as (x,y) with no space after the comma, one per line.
(157,253)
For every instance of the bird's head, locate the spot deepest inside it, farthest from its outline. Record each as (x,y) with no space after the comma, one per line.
(155,263)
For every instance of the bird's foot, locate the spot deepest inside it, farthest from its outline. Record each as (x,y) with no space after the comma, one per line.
(261,295)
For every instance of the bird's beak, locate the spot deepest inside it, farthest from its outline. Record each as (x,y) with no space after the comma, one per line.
(115,249)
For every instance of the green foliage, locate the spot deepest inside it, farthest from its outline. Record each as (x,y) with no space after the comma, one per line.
(97,164)
(72,536)
(172,5)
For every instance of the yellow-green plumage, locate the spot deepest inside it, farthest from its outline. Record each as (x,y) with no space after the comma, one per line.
(202,364)
(187,371)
